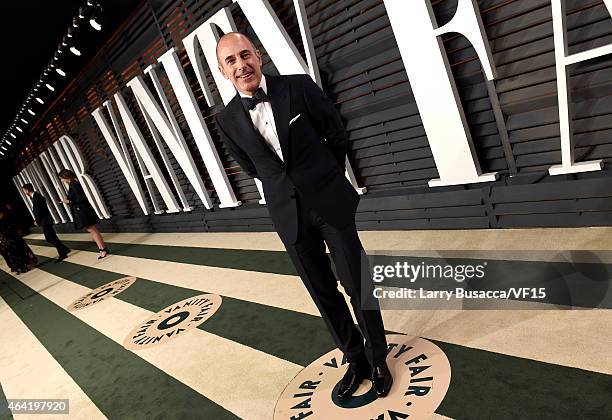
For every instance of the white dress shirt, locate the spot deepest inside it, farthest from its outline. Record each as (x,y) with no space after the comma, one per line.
(263,120)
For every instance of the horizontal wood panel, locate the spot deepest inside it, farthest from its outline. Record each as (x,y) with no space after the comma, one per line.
(363,74)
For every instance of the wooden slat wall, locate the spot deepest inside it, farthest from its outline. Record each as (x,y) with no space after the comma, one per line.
(363,72)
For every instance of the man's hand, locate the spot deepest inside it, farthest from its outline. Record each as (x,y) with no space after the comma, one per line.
(326,119)
(65,201)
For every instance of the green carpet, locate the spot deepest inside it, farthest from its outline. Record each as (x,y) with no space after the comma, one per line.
(120,384)
(484,385)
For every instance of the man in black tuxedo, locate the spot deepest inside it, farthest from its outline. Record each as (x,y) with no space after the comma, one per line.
(285,131)
(43,218)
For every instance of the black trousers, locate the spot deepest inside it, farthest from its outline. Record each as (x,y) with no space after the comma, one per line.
(51,237)
(313,265)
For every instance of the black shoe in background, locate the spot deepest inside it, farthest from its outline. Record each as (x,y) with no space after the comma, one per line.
(106,252)
(381,380)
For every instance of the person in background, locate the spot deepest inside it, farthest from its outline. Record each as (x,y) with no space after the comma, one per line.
(43,218)
(22,224)
(83,214)
(18,255)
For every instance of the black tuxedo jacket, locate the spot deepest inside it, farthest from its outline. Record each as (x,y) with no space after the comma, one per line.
(41,211)
(314,147)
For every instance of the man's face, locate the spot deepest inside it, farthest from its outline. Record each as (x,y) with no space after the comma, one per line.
(240,63)
(26,192)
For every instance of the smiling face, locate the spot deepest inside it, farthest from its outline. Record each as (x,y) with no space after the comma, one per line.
(239,62)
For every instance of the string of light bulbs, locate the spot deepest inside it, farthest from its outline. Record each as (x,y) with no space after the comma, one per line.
(89,16)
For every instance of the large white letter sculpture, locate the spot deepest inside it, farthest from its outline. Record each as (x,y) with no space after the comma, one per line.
(19,182)
(562,61)
(52,167)
(42,174)
(282,50)
(273,37)
(146,162)
(205,36)
(43,186)
(201,135)
(71,158)
(158,123)
(119,150)
(433,85)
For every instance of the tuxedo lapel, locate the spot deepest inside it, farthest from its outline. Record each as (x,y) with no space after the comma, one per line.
(278,94)
(241,118)
(249,136)
(280,99)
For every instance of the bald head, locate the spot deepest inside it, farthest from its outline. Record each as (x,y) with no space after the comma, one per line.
(233,37)
(239,62)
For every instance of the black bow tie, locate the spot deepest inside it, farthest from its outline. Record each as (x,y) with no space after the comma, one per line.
(260,96)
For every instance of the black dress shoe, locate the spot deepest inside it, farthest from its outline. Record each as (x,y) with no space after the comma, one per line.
(61,258)
(381,380)
(356,372)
